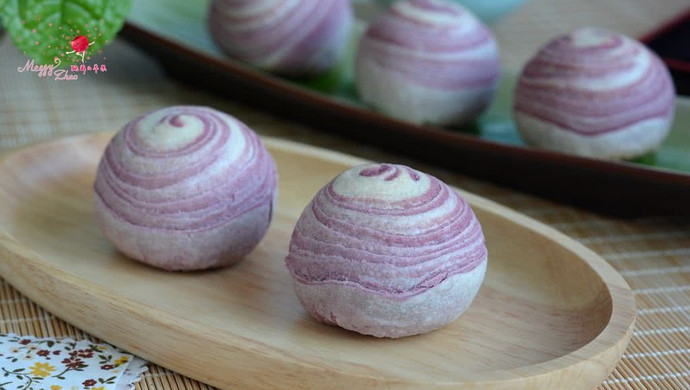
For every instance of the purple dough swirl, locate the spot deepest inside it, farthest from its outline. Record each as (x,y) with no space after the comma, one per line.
(396,248)
(175,185)
(428,61)
(387,251)
(592,82)
(289,37)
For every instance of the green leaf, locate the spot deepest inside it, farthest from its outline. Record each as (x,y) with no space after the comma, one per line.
(647,159)
(43,29)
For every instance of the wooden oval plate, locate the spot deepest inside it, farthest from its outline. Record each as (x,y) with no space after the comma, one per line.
(551,313)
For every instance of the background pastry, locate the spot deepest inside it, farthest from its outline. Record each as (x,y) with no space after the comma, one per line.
(595,93)
(291,38)
(428,61)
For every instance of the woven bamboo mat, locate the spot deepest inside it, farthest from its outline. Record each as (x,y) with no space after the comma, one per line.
(653,254)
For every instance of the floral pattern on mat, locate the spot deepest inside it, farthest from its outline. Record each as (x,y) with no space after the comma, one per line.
(29,363)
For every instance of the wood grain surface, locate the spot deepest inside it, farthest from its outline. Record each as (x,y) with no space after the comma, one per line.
(551,314)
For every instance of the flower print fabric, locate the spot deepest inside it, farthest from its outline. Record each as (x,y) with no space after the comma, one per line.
(29,363)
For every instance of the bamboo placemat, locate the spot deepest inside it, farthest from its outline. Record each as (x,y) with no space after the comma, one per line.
(653,254)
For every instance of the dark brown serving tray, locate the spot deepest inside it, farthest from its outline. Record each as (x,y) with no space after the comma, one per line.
(624,189)
(671,42)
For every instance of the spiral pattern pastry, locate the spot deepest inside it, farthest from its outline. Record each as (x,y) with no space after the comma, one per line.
(428,61)
(595,93)
(388,251)
(185,188)
(287,37)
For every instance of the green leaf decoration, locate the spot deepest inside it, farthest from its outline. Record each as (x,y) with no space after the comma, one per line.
(647,159)
(44,29)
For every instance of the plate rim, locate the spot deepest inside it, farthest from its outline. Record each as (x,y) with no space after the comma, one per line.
(622,299)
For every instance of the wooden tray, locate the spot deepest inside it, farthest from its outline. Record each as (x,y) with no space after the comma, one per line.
(551,313)
(175,33)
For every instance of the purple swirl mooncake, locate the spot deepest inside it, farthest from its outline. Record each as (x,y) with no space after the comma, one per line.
(287,37)
(595,93)
(185,188)
(428,61)
(387,251)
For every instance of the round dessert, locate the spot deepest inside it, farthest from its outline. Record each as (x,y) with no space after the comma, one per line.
(428,61)
(595,93)
(185,188)
(291,38)
(387,251)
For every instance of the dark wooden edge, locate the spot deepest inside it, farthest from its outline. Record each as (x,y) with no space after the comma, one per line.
(668,26)
(680,70)
(614,188)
